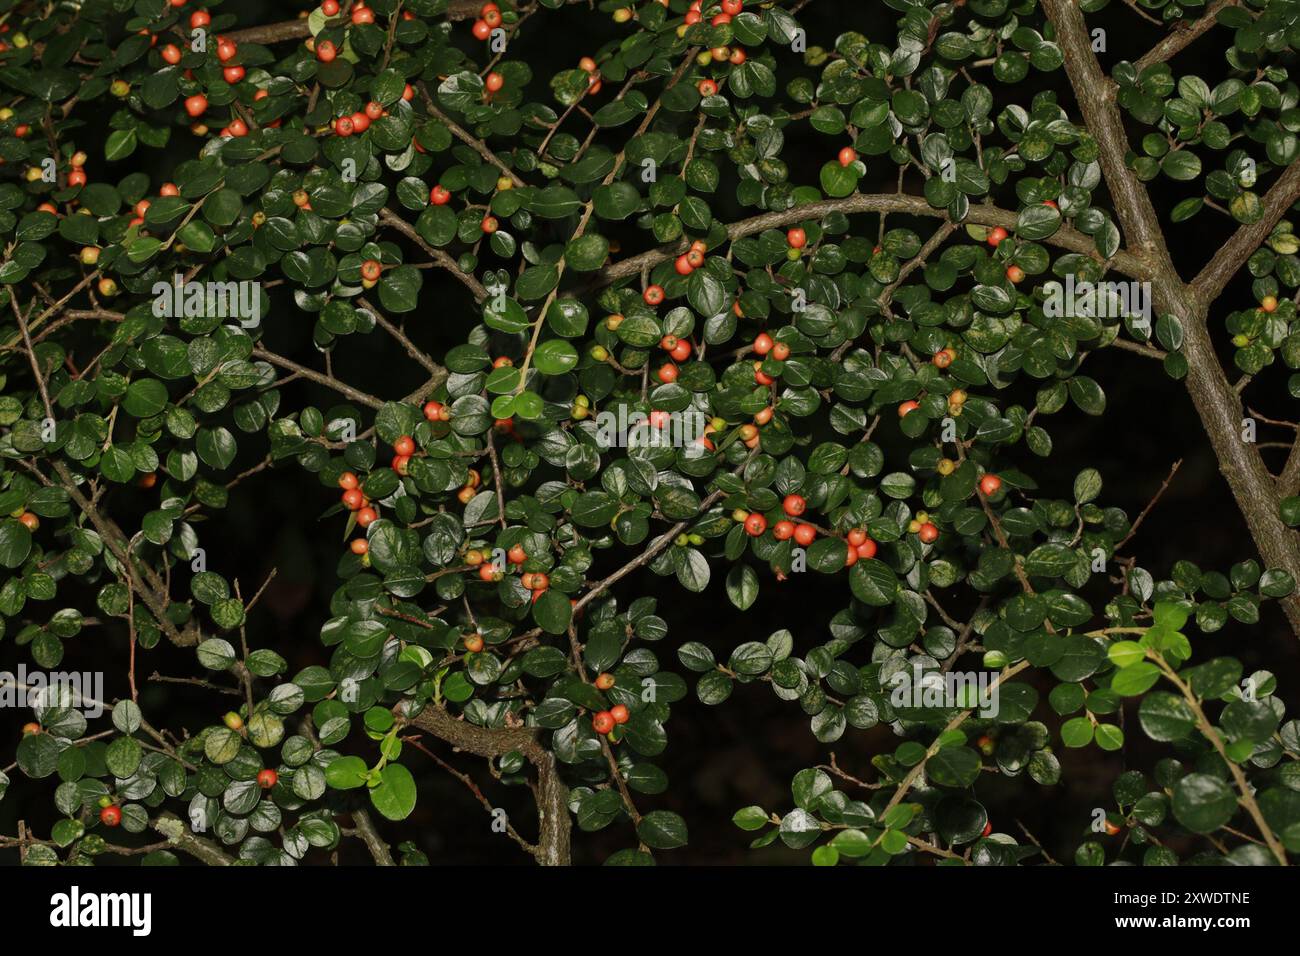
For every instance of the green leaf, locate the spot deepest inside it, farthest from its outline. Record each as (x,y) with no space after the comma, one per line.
(742,586)
(1203,803)
(662,830)
(119,145)
(394,798)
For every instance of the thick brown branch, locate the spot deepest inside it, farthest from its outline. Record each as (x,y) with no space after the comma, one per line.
(1216,401)
(320,378)
(179,836)
(365,828)
(552,794)
(299,30)
(1233,254)
(1096,95)
(1066,237)
(1182,35)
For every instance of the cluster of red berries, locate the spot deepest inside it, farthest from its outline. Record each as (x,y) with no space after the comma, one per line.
(857,543)
(489,18)
(588,66)
(765,345)
(679,350)
(804,534)
(359,121)
(692,259)
(729,9)
(603,721)
(355,500)
(923,528)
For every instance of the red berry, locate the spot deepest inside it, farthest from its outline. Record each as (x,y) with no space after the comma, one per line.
(667,373)
(330,7)
(988,828)
(732,7)
(359,546)
(989,485)
(196,105)
(604,681)
(683,266)
(353,499)
(620,713)
(474,642)
(110,816)
(366,517)
(943,358)
(996,235)
(796,238)
(517,554)
(439,195)
(763,344)
(653,295)
(928,533)
(805,534)
(348,480)
(794,505)
(201,18)
(326,51)
(1015,274)
(266,779)
(755,525)
(603,722)
(481,30)
(171,53)
(907,407)
(783,530)
(681,351)
(848,156)
(707,87)
(867,549)
(780,351)
(494,82)
(362,15)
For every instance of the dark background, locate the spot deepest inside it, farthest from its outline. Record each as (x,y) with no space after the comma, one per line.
(746,751)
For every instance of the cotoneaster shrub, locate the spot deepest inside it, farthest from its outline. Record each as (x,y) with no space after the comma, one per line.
(873,346)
